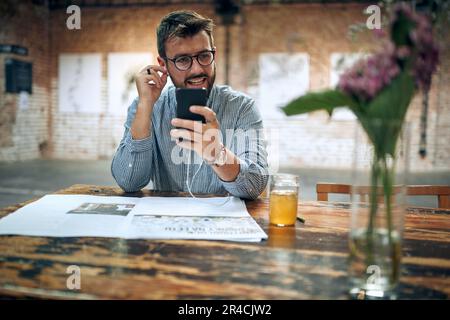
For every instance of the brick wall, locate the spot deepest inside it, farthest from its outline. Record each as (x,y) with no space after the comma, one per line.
(320,30)
(24,131)
(441,94)
(314,29)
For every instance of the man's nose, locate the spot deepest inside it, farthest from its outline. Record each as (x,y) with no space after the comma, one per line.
(196,67)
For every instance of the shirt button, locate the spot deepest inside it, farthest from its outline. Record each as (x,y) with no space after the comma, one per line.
(130,165)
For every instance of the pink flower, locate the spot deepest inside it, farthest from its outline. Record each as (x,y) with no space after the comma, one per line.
(369,76)
(423,48)
(403,52)
(379,33)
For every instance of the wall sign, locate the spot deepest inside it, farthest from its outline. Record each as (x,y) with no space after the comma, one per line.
(12,48)
(19,76)
(122,67)
(79,83)
(282,78)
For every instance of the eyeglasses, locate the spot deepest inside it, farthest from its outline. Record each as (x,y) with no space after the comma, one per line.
(184,63)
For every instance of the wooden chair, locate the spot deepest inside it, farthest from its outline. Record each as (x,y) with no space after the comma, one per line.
(442,192)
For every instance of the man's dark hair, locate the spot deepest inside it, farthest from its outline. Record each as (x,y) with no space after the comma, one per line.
(181,24)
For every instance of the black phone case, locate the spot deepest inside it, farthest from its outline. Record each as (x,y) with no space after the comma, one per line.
(190,97)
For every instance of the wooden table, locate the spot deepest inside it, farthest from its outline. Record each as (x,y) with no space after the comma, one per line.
(305,262)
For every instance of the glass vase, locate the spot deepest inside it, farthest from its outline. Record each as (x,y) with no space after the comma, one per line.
(380,167)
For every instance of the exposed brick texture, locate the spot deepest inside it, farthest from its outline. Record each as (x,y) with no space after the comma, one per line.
(315,29)
(22,131)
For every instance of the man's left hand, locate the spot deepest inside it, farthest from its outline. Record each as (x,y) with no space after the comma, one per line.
(203,138)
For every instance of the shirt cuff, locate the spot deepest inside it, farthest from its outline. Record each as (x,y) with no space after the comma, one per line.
(138,145)
(242,181)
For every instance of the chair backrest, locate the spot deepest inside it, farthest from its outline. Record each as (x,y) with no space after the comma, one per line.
(323,189)
(442,192)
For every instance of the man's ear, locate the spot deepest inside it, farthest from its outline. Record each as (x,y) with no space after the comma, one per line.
(161,61)
(216,53)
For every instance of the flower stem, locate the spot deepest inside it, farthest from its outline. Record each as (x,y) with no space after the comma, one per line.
(373,210)
(388,178)
(387,185)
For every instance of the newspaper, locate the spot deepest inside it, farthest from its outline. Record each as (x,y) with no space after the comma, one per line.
(134,218)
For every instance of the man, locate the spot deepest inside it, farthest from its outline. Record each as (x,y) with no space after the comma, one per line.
(154,138)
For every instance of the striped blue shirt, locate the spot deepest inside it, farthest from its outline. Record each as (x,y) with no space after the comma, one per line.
(160,160)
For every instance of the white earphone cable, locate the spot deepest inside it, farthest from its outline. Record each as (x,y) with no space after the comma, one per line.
(189,185)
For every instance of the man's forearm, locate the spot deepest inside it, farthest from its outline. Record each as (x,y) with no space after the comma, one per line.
(131,166)
(230,170)
(250,181)
(141,127)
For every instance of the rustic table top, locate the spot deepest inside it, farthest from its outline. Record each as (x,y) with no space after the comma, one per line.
(308,261)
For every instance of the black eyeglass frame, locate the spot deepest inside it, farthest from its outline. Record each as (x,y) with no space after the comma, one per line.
(213,51)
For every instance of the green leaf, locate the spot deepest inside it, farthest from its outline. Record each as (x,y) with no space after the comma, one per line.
(325,100)
(401,29)
(385,114)
(393,101)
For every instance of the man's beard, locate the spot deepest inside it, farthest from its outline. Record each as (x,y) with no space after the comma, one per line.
(210,80)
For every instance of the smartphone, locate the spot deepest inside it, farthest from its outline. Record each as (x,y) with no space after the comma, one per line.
(190,97)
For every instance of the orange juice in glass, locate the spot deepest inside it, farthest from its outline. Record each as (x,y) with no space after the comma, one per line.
(283,199)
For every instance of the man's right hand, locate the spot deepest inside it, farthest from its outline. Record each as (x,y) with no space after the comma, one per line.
(149,83)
